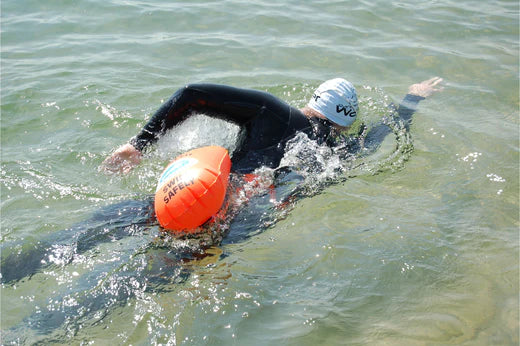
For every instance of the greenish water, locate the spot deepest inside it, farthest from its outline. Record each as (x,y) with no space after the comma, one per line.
(425,252)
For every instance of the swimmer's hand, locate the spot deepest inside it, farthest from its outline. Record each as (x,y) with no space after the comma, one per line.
(425,88)
(122,160)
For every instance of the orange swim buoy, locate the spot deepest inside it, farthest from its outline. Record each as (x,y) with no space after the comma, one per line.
(192,188)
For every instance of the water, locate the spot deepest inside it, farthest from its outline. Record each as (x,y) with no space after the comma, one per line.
(417,248)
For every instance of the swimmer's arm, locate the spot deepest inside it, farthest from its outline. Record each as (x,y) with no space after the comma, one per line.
(233,104)
(407,107)
(229,103)
(416,93)
(170,113)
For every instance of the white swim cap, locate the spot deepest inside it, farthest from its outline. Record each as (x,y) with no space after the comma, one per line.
(336,99)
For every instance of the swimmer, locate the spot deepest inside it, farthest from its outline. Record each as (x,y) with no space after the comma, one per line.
(269,122)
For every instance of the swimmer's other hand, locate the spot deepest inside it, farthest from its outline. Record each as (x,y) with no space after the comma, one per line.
(122,160)
(425,88)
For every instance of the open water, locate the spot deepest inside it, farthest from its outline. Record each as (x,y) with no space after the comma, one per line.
(416,244)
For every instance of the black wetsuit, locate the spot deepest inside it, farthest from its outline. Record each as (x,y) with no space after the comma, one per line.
(268,122)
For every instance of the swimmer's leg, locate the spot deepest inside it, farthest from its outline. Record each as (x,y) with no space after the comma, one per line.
(109,286)
(108,224)
(114,222)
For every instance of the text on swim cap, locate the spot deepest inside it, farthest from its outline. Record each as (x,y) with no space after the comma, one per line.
(347,111)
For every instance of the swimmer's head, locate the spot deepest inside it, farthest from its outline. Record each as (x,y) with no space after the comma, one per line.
(337,100)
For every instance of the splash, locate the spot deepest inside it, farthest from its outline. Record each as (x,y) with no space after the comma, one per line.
(197,131)
(378,141)
(379,114)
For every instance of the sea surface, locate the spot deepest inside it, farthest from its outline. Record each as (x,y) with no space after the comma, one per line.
(415,244)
